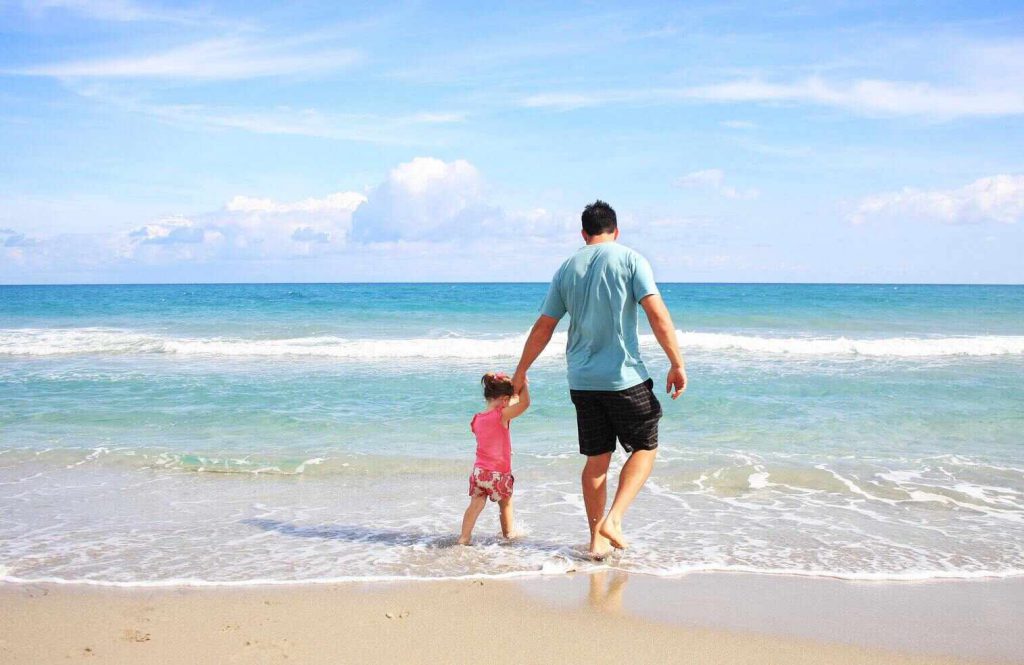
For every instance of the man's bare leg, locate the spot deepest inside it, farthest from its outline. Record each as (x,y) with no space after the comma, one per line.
(632,478)
(505,517)
(595,496)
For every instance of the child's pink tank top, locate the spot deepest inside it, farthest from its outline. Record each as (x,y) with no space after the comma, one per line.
(493,442)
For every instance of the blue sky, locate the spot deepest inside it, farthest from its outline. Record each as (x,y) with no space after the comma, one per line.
(789,141)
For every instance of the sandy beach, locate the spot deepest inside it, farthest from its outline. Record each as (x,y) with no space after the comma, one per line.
(602,618)
(577,332)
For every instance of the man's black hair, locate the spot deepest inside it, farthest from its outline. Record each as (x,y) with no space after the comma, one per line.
(598,218)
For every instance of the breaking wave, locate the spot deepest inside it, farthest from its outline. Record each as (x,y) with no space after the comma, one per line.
(112,341)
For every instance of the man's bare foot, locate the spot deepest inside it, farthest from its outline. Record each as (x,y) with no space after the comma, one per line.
(612,530)
(462,541)
(599,547)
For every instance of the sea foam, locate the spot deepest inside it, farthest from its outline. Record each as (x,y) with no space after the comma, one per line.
(112,341)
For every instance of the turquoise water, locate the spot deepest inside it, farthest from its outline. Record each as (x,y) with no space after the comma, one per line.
(246,433)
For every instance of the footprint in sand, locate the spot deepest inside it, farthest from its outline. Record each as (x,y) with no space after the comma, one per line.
(37,592)
(132,635)
(277,646)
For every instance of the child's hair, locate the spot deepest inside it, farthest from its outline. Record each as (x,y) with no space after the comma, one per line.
(496,385)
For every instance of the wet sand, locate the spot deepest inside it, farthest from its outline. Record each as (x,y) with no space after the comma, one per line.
(603,618)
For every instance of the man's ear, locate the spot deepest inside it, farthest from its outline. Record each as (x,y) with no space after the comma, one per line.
(586,237)
(616,233)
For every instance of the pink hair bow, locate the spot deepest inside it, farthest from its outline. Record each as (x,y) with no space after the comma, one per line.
(501,376)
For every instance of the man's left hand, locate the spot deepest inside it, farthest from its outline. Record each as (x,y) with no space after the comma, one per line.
(676,382)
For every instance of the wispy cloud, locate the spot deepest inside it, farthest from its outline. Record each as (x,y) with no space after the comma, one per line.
(864,97)
(394,130)
(518,45)
(214,59)
(714,180)
(999,198)
(123,11)
(871,97)
(738,124)
(567,101)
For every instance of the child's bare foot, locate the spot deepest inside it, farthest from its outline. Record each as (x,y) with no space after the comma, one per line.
(612,530)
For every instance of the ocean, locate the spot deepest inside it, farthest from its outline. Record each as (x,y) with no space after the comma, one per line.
(283,433)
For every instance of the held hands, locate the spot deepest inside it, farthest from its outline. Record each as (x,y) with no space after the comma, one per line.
(676,382)
(518,382)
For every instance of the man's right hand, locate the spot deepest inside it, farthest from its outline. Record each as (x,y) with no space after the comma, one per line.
(676,382)
(538,338)
(518,381)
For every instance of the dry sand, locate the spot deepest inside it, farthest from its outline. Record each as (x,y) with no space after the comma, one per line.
(423,622)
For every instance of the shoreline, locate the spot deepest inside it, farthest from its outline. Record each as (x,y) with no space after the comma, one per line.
(526,576)
(704,617)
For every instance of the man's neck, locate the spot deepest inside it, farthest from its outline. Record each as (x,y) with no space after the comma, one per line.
(603,238)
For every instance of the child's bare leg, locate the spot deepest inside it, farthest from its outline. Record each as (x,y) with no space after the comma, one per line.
(505,515)
(476,506)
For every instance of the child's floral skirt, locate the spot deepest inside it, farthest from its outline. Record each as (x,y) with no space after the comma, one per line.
(492,484)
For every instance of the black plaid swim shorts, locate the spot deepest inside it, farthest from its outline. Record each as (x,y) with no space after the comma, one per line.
(631,415)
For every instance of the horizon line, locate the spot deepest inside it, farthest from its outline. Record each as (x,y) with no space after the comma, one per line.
(425,283)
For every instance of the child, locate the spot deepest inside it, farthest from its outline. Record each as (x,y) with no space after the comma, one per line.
(492,472)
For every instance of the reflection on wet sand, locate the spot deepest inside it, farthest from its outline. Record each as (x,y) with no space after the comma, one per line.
(606,590)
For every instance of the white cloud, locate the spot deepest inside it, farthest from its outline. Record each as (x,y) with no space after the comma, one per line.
(169,231)
(11,239)
(999,198)
(248,228)
(343,202)
(428,217)
(215,59)
(422,198)
(265,227)
(309,234)
(705,178)
(714,180)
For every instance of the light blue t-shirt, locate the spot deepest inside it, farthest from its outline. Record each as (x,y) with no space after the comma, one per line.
(600,286)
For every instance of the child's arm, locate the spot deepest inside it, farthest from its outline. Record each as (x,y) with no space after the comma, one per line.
(515,410)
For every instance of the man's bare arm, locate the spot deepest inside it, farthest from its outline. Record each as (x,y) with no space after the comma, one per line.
(665,332)
(539,337)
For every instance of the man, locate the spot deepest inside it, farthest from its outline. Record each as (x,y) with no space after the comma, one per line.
(600,287)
